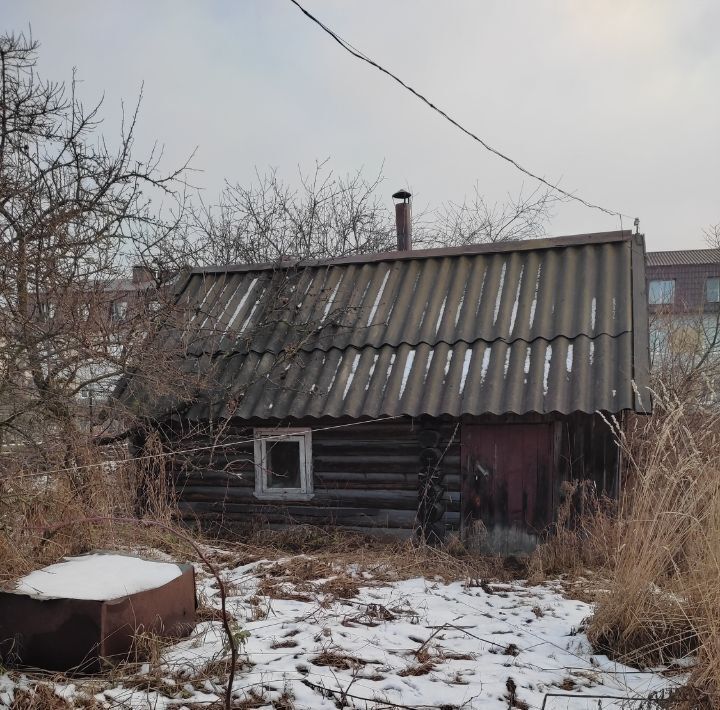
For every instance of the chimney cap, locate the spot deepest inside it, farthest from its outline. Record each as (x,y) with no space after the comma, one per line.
(402,195)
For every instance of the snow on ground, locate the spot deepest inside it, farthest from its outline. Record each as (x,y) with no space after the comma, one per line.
(416,643)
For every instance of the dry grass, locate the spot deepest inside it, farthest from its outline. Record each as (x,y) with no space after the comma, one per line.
(584,536)
(37,514)
(663,599)
(328,553)
(42,697)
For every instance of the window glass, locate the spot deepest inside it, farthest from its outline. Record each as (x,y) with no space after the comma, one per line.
(283,464)
(661,291)
(712,290)
(118,310)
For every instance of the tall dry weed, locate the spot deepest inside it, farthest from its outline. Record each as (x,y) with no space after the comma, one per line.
(583,536)
(663,598)
(38,504)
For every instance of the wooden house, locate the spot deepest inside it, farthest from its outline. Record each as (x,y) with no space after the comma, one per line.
(409,392)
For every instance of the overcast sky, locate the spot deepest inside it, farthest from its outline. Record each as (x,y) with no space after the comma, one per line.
(618,100)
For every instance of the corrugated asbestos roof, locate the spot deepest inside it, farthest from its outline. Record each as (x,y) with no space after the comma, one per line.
(683,257)
(544,326)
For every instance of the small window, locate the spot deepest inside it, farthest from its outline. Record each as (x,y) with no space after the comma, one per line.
(661,292)
(46,310)
(283,463)
(712,290)
(118,309)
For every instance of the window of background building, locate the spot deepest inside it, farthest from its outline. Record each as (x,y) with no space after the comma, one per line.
(712,289)
(661,291)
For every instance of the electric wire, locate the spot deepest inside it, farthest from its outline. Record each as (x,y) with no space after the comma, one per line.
(363,57)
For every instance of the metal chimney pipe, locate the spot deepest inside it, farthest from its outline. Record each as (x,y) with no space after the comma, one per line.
(403,220)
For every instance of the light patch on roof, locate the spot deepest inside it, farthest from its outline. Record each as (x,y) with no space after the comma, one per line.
(465,368)
(373,311)
(372,370)
(334,377)
(498,298)
(440,315)
(527,360)
(546,373)
(331,300)
(240,305)
(460,305)
(390,366)
(429,362)
(250,315)
(592,351)
(485,364)
(593,312)
(569,358)
(219,299)
(351,376)
(406,371)
(533,305)
(513,315)
(507,361)
(482,289)
(447,363)
(200,309)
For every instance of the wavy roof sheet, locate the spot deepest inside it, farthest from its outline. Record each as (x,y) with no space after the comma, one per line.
(557,325)
(682,257)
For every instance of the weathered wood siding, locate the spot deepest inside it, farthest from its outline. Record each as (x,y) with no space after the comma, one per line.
(365,478)
(366,474)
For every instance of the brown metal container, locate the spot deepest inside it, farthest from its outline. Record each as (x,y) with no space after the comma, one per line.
(79,635)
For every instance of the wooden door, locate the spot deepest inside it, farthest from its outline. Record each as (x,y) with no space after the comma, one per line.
(507,483)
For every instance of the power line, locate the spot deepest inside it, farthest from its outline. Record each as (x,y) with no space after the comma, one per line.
(363,57)
(179,452)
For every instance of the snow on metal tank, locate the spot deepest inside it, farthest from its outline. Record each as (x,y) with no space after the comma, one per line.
(72,615)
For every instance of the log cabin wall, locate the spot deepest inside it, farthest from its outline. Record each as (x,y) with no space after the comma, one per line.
(365,477)
(366,474)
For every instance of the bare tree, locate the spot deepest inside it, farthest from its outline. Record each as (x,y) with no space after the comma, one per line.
(475,220)
(268,220)
(71,209)
(323,215)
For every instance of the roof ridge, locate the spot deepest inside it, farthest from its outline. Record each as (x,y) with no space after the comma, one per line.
(436,252)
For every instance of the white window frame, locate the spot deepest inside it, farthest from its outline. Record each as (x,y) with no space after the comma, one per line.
(715,280)
(118,310)
(665,293)
(304,437)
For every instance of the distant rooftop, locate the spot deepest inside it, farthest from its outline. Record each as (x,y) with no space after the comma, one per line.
(682,257)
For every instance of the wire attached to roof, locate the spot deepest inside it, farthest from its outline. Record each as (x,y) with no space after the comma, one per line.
(363,57)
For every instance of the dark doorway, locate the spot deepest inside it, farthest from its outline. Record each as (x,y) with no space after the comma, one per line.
(507,484)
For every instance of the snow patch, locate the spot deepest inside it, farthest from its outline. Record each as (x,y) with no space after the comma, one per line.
(351,376)
(485,364)
(406,371)
(513,316)
(96,577)
(498,298)
(546,372)
(375,305)
(465,368)
(240,305)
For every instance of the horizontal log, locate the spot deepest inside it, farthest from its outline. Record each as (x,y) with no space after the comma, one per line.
(406,500)
(322,516)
